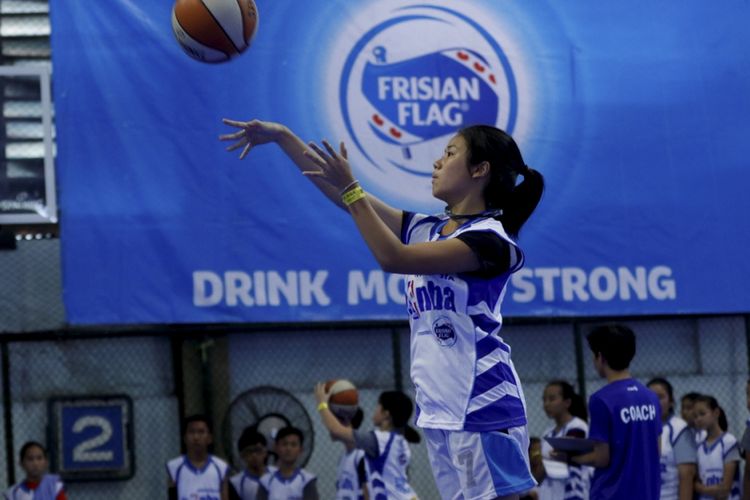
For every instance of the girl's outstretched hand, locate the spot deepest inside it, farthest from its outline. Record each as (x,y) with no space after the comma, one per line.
(252,133)
(333,166)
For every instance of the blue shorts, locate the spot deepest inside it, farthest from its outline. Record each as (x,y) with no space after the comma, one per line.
(479,465)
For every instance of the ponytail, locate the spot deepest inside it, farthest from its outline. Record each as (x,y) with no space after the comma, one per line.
(713,404)
(522,201)
(517,201)
(400,408)
(577,406)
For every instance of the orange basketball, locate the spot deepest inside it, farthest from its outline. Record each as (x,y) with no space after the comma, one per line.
(342,392)
(214,30)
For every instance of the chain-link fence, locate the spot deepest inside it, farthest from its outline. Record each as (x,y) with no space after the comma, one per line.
(239,375)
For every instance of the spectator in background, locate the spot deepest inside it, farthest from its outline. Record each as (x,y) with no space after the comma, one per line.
(568,410)
(253,450)
(718,455)
(678,448)
(37,485)
(197,473)
(745,447)
(351,476)
(386,448)
(688,414)
(625,423)
(290,481)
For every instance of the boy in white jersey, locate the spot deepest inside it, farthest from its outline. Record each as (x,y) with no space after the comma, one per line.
(718,454)
(386,449)
(458,264)
(678,447)
(197,473)
(253,450)
(38,484)
(289,482)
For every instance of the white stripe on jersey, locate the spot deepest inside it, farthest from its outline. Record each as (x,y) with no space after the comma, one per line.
(503,389)
(492,359)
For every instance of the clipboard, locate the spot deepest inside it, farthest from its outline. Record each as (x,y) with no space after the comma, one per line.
(572,446)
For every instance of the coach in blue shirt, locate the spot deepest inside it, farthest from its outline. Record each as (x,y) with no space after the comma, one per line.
(625,423)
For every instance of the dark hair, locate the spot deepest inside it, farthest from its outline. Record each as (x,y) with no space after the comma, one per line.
(691,396)
(616,343)
(357,419)
(577,404)
(198,417)
(714,405)
(249,437)
(31,444)
(290,431)
(664,383)
(517,201)
(400,407)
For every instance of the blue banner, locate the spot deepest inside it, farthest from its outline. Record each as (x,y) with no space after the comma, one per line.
(636,113)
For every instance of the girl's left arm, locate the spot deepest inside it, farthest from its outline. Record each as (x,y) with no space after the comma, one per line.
(440,257)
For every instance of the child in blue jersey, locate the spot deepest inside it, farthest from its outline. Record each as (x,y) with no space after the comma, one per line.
(718,454)
(562,481)
(252,446)
(197,473)
(38,484)
(290,481)
(625,423)
(457,266)
(386,449)
(678,449)
(745,449)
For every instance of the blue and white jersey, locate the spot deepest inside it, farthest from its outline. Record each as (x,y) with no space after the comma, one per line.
(386,470)
(246,485)
(204,483)
(461,368)
(711,460)
(348,484)
(26,491)
(287,488)
(626,415)
(677,447)
(562,481)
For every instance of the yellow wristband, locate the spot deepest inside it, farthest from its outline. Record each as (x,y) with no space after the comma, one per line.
(354,194)
(322,406)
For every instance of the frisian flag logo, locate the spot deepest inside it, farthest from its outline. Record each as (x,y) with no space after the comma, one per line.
(414,79)
(429,96)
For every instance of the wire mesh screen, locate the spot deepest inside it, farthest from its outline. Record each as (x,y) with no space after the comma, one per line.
(241,378)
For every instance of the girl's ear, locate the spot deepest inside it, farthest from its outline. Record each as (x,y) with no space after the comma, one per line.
(480,170)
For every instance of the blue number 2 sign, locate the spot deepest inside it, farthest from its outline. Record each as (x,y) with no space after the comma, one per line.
(92,437)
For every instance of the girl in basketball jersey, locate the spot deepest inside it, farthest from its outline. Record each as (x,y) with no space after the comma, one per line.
(37,485)
(457,265)
(568,410)
(351,474)
(678,448)
(386,449)
(718,454)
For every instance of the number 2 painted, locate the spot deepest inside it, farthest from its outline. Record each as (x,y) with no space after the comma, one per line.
(83,451)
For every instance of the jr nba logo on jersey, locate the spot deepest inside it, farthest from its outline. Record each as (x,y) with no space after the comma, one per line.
(410,82)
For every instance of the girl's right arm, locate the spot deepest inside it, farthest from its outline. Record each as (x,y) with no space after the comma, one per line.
(256,132)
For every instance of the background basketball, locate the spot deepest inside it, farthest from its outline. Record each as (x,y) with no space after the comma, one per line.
(214,30)
(344,398)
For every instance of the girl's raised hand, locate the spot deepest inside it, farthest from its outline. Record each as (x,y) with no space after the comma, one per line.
(333,166)
(321,396)
(252,133)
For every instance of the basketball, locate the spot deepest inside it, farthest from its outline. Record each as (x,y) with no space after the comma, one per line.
(214,30)
(344,398)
